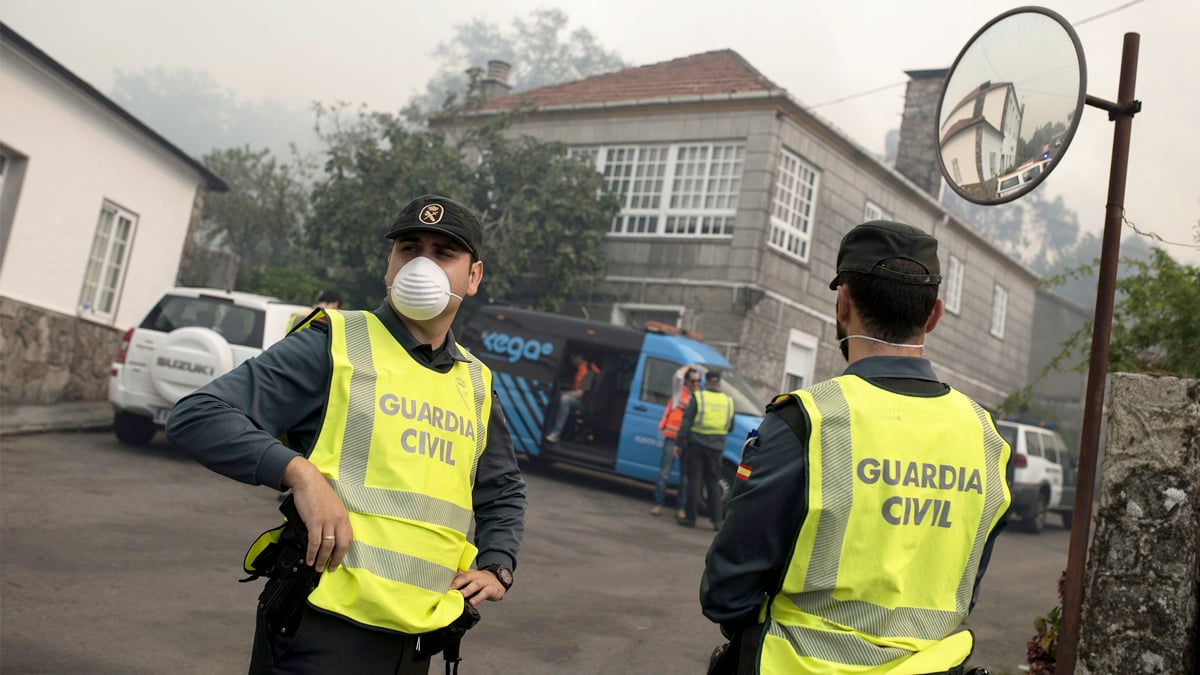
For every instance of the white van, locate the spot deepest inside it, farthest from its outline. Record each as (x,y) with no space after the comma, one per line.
(1018,179)
(1044,473)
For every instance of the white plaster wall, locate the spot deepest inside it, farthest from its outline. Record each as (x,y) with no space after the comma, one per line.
(79,155)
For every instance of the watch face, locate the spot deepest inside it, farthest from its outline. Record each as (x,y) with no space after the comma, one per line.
(503,574)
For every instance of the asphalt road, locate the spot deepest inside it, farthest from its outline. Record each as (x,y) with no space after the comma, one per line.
(125,560)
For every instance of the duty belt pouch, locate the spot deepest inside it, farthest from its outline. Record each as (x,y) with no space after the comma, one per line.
(278,554)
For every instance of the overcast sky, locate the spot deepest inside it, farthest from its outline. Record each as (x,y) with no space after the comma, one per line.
(379,53)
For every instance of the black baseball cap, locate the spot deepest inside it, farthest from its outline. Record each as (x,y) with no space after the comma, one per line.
(865,248)
(440,214)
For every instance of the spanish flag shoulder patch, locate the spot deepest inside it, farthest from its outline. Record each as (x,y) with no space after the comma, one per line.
(743,471)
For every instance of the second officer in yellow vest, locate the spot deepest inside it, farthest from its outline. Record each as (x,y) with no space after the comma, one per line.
(706,422)
(394,450)
(865,510)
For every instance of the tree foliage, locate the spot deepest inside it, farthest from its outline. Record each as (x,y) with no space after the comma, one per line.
(261,218)
(544,213)
(539,48)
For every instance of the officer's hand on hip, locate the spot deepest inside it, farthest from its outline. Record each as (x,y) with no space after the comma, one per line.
(478,585)
(329,532)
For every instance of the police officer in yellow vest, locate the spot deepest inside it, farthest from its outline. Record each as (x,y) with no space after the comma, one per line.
(394,448)
(702,431)
(865,511)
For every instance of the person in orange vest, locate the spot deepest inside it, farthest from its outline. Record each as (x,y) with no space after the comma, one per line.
(671,419)
(585,374)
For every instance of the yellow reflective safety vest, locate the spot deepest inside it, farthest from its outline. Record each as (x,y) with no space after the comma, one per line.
(714,413)
(400,444)
(903,493)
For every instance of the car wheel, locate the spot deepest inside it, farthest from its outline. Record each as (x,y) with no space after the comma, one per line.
(133,429)
(1066,518)
(1033,519)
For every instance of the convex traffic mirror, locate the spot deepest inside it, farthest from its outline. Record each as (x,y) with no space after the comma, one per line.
(1010,105)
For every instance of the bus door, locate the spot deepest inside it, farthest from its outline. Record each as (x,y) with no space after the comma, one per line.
(641,443)
(593,422)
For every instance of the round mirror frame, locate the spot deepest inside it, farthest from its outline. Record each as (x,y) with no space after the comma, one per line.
(1068,135)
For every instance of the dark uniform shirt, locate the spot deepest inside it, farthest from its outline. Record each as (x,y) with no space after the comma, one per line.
(232,426)
(747,560)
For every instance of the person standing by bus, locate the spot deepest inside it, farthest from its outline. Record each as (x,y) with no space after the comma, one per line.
(669,424)
(706,422)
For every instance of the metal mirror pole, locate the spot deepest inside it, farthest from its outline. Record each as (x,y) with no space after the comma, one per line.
(1121,113)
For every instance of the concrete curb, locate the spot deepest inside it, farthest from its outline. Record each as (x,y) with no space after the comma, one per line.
(21,419)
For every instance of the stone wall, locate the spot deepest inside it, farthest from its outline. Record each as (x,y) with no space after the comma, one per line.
(51,357)
(1143,571)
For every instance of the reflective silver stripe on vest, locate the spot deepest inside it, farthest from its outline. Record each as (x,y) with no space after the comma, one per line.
(837,495)
(356,445)
(400,567)
(406,505)
(835,647)
(360,416)
(475,370)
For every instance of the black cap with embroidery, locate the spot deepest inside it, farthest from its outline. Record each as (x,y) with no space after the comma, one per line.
(865,248)
(440,214)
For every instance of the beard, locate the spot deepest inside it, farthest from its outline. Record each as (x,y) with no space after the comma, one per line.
(843,343)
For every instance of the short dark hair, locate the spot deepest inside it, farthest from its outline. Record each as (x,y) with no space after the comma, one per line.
(891,310)
(329,295)
(712,375)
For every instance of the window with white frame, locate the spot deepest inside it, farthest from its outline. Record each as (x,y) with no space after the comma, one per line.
(954,285)
(107,261)
(684,189)
(874,211)
(793,205)
(634,315)
(999,310)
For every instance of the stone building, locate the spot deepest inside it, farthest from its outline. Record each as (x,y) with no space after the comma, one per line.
(735,197)
(95,208)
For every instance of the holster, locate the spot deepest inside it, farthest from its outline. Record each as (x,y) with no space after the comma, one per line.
(278,554)
(449,639)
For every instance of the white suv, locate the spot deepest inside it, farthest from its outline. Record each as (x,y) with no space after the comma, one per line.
(191,336)
(1044,475)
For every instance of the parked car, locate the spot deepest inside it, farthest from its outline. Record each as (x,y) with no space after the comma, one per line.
(189,337)
(1044,476)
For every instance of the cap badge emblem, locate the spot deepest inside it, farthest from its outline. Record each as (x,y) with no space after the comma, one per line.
(431,214)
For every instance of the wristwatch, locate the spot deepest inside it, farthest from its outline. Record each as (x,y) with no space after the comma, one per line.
(502,573)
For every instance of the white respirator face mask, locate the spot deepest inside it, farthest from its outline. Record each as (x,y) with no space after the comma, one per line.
(421,290)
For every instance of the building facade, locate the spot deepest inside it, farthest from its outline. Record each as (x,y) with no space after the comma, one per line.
(95,208)
(734,200)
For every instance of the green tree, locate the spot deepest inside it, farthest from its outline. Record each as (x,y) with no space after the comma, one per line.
(544,213)
(260,219)
(1156,325)
(539,48)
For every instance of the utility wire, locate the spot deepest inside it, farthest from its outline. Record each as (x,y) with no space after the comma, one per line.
(1114,10)
(860,94)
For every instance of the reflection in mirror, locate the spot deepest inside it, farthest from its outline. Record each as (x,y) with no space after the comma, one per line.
(1010,105)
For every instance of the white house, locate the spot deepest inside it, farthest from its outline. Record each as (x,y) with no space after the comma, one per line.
(95,208)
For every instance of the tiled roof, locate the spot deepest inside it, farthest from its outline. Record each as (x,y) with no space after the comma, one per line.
(718,72)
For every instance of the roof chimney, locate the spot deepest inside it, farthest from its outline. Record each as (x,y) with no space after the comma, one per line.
(496,83)
(916,154)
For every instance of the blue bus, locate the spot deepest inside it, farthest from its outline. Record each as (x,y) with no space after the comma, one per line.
(615,428)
